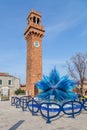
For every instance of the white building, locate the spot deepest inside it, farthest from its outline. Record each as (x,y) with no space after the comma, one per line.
(8,85)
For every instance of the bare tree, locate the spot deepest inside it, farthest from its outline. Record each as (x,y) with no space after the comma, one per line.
(77,68)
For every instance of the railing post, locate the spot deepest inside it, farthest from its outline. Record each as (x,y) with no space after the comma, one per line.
(23,104)
(32,107)
(73,110)
(48,117)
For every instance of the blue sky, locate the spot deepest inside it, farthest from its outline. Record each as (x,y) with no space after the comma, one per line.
(65,23)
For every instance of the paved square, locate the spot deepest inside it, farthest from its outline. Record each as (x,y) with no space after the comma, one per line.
(12,118)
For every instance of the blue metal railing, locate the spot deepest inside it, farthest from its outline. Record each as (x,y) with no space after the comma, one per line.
(49,110)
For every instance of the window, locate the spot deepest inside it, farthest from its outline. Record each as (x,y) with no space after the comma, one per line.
(9,82)
(0,82)
(38,20)
(34,19)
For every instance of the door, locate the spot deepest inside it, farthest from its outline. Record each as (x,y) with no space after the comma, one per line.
(5,93)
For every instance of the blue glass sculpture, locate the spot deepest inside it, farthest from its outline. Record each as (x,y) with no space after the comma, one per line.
(59,87)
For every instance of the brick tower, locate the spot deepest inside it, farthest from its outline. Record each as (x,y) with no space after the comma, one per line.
(33,35)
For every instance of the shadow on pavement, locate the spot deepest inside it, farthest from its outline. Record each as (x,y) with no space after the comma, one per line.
(14,127)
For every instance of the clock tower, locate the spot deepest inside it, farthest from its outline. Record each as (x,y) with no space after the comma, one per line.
(33,35)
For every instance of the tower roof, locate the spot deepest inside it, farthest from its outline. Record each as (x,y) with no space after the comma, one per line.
(33,12)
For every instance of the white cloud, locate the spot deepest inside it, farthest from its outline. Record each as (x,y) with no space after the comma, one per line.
(83,33)
(49,64)
(53,62)
(66,23)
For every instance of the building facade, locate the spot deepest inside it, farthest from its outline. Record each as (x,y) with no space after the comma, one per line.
(33,35)
(8,85)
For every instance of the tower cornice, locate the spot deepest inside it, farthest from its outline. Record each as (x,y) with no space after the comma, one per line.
(33,28)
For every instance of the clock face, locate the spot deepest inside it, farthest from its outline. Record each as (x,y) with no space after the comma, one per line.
(36,44)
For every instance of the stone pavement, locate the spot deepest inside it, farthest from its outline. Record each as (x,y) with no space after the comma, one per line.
(12,118)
